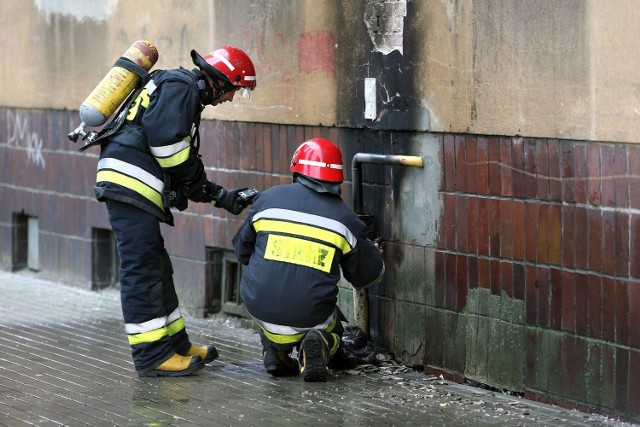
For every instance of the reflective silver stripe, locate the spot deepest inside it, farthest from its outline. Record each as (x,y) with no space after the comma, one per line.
(310,219)
(151,87)
(250,78)
(320,164)
(149,325)
(289,330)
(132,171)
(223,59)
(169,150)
(175,315)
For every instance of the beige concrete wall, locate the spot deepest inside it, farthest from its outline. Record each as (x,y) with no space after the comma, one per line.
(544,68)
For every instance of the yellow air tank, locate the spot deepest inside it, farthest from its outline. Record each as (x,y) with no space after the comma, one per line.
(115,87)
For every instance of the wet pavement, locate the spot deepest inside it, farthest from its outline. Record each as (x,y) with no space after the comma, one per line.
(64,360)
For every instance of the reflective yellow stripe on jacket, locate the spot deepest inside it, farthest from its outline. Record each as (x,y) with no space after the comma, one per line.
(172,155)
(291,233)
(132,177)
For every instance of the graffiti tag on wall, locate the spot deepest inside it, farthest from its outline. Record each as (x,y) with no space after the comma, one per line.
(23,137)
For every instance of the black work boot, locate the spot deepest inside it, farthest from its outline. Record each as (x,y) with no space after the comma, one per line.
(175,366)
(279,364)
(314,355)
(208,353)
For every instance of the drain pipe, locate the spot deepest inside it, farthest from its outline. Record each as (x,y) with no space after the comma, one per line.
(361,296)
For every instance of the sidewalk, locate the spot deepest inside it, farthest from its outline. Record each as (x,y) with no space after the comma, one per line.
(64,360)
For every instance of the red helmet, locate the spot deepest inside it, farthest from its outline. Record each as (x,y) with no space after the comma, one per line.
(318,158)
(228,64)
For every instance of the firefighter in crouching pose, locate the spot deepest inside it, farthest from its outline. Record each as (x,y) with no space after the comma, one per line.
(294,243)
(148,166)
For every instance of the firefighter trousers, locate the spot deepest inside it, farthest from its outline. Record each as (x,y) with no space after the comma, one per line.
(153,322)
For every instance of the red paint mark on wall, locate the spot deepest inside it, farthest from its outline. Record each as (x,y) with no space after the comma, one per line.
(316,53)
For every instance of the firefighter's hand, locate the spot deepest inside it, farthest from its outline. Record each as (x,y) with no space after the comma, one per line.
(229,200)
(204,192)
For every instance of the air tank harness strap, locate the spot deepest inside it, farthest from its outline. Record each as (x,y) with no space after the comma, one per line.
(127,64)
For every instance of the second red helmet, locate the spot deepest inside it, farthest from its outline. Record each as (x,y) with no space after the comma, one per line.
(318,158)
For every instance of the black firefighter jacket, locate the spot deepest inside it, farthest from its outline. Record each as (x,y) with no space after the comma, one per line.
(294,242)
(154,144)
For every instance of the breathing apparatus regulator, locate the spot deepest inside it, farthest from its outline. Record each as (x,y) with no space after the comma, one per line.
(130,71)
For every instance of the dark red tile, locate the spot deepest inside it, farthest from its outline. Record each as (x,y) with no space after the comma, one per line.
(450,296)
(543,234)
(623,311)
(582,304)
(568,301)
(496,277)
(581,172)
(634,175)
(483,226)
(461,163)
(621,250)
(494,227)
(555,183)
(493,145)
(531,230)
(506,273)
(506,180)
(568,235)
(518,281)
(472,221)
(484,273)
(595,239)
(472,165)
(449,221)
(567,161)
(608,309)
(441,278)
(633,316)
(531,295)
(482,156)
(582,238)
(594,187)
(544,294)
(530,190)
(542,170)
(506,229)
(621,174)
(462,224)
(462,274)
(556,299)
(634,246)
(607,185)
(595,305)
(608,241)
(518,230)
(555,234)
(517,173)
(474,279)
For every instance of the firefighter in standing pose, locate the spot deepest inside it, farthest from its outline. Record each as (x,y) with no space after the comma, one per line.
(149,165)
(294,242)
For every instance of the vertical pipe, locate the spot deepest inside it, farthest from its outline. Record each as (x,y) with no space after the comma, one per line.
(361,296)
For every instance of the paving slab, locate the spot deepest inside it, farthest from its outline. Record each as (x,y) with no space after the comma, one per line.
(65,361)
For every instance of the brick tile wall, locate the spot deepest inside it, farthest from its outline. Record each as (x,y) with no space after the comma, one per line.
(555,224)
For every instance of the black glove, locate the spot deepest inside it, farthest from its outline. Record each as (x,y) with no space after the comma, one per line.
(229,200)
(204,192)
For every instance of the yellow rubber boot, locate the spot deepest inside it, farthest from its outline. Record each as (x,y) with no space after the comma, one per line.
(207,353)
(176,366)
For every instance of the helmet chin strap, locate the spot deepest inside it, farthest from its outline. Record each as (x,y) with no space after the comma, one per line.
(209,92)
